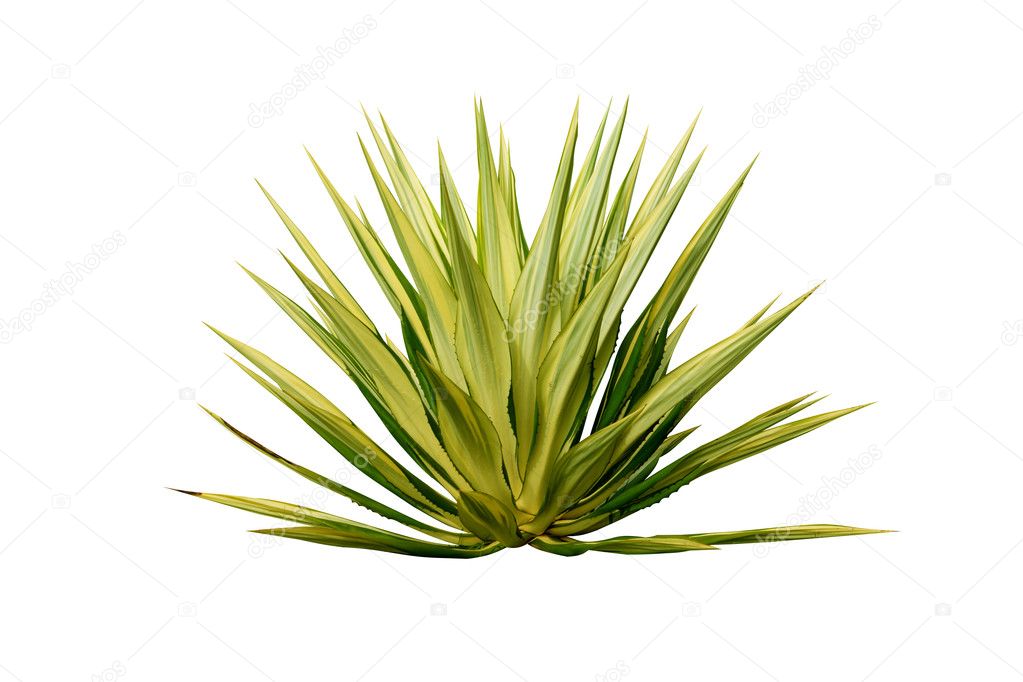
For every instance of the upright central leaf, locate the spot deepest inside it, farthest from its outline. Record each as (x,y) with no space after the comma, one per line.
(499,250)
(533,300)
(481,345)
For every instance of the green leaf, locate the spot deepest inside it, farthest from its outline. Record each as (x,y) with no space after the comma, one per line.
(416,205)
(499,249)
(590,160)
(604,246)
(342,434)
(652,217)
(438,298)
(482,349)
(299,514)
(582,220)
(533,300)
(626,544)
(668,298)
(563,385)
(670,343)
(488,518)
(470,438)
(396,287)
(506,181)
(355,496)
(396,545)
(384,380)
(339,291)
(733,447)
(455,217)
(688,382)
(781,533)
(576,471)
(654,321)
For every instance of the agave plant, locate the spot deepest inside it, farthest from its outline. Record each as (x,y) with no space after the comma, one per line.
(493,394)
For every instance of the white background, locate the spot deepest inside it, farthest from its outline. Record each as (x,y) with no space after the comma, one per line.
(896,179)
